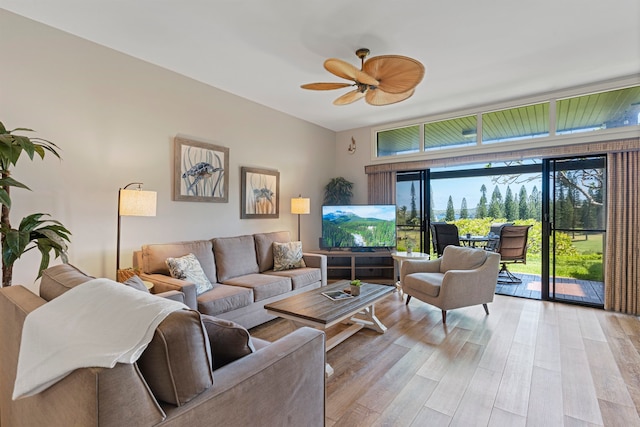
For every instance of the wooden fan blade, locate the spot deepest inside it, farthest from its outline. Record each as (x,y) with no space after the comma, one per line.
(347,71)
(380,97)
(348,98)
(325,86)
(396,74)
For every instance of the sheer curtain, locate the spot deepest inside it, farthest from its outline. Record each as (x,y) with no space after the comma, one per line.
(622,261)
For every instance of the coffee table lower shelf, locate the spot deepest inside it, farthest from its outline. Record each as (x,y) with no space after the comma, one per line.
(315,310)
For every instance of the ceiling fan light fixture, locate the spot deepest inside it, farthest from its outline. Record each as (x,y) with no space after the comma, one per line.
(362,53)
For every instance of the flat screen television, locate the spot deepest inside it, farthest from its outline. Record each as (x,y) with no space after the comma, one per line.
(359,227)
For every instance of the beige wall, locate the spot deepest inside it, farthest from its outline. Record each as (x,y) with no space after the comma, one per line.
(351,166)
(114,118)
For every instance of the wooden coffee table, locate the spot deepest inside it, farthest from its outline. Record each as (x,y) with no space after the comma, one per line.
(316,310)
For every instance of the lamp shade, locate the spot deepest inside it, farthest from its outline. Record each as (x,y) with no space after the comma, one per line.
(137,203)
(300,205)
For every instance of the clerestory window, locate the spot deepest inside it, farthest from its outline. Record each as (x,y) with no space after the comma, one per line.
(576,114)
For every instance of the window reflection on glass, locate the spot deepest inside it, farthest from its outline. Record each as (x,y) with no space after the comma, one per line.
(399,141)
(604,110)
(457,132)
(531,121)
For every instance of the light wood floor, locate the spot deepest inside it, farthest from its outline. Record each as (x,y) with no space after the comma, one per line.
(529,363)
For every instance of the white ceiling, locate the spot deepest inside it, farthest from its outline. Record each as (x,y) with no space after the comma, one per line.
(475,52)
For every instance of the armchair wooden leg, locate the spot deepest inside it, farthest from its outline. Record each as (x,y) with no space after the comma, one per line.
(444,317)
(486,309)
(408,298)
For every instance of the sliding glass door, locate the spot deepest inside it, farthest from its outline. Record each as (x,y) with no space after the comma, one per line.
(573,237)
(567,218)
(412,189)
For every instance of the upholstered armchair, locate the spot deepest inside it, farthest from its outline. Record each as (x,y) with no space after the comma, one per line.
(460,278)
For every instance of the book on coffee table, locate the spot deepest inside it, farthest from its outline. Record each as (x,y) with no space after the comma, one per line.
(337,295)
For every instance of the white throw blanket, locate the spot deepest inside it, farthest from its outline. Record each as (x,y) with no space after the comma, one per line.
(96,324)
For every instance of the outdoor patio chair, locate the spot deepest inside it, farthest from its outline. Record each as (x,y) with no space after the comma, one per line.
(512,248)
(494,235)
(443,235)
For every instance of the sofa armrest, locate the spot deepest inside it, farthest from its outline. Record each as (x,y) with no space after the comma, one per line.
(162,283)
(419,266)
(172,295)
(281,384)
(317,261)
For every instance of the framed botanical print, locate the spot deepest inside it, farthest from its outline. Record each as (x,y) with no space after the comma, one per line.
(200,171)
(260,193)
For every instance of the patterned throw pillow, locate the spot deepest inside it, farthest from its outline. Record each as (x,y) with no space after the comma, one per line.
(188,268)
(287,256)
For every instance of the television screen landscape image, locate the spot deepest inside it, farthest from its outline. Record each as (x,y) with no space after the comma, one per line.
(359,226)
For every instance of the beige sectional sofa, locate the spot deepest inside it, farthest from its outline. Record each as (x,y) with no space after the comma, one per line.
(173,383)
(241,269)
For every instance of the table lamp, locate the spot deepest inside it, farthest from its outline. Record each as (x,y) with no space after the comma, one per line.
(300,206)
(134,203)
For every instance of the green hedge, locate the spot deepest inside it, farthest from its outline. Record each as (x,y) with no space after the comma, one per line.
(564,245)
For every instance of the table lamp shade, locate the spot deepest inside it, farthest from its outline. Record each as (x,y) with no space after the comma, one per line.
(137,203)
(301,206)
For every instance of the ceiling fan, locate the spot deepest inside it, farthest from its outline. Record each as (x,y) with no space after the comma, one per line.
(382,80)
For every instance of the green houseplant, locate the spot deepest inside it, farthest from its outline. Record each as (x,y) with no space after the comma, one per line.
(33,232)
(338,191)
(355,287)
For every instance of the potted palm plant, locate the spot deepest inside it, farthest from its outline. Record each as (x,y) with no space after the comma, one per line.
(34,231)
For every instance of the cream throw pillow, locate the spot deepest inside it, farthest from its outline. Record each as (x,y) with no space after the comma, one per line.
(188,268)
(287,256)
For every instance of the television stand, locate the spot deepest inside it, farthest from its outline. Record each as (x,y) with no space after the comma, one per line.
(362,250)
(376,266)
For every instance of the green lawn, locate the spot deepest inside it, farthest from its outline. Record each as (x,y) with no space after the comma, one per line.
(585,265)
(591,243)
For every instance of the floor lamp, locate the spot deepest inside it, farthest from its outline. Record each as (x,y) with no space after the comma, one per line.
(300,206)
(134,203)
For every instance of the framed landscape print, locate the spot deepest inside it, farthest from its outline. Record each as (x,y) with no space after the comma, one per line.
(260,193)
(200,171)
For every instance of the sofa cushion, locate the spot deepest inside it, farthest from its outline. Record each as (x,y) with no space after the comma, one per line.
(136,283)
(300,277)
(223,298)
(264,247)
(59,279)
(287,256)
(154,256)
(263,285)
(461,258)
(428,283)
(229,341)
(235,256)
(188,268)
(177,362)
